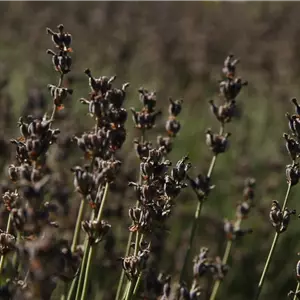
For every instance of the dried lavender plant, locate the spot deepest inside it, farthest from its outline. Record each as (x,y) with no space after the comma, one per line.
(230,87)
(280,216)
(156,190)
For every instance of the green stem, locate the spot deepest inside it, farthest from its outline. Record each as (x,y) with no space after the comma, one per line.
(275,240)
(82,268)
(91,248)
(297,289)
(224,261)
(78,225)
(121,281)
(8,227)
(195,223)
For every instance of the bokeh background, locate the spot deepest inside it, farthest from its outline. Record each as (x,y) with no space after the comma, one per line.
(177,49)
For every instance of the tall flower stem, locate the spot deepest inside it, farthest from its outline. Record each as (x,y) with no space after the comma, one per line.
(8,227)
(271,252)
(121,281)
(224,262)
(92,248)
(78,224)
(195,223)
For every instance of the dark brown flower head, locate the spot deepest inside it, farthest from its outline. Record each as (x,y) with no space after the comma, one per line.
(179,172)
(165,142)
(61,39)
(61,61)
(229,68)
(148,99)
(173,126)
(292,146)
(59,95)
(116,97)
(216,142)
(230,88)
(83,180)
(11,200)
(201,186)
(297,106)
(142,148)
(292,174)
(275,215)
(143,119)
(7,242)
(225,112)
(96,230)
(175,107)
(99,85)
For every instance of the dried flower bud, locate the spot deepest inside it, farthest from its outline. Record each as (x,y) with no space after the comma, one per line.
(11,200)
(225,112)
(59,95)
(175,107)
(61,39)
(230,66)
(179,172)
(297,106)
(286,219)
(216,142)
(292,174)
(292,146)
(148,99)
(230,88)
(102,84)
(172,127)
(95,230)
(276,215)
(61,61)
(7,242)
(165,142)
(83,180)
(201,186)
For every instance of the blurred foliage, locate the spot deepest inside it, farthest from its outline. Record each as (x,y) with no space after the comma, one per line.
(176,48)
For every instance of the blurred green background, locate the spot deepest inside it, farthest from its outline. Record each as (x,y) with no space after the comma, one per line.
(177,49)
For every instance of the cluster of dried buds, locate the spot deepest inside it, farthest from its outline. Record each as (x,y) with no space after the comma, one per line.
(36,138)
(230,88)
(87,181)
(62,40)
(105,105)
(96,230)
(135,264)
(173,125)
(157,191)
(279,218)
(204,265)
(146,117)
(218,143)
(233,229)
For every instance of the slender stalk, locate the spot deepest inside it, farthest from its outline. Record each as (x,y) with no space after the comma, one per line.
(224,262)
(78,224)
(271,252)
(297,289)
(8,227)
(82,268)
(195,222)
(91,248)
(121,281)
